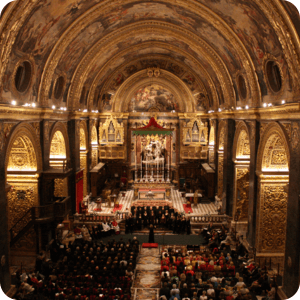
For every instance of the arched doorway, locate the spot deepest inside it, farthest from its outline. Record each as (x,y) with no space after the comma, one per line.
(211,143)
(94,146)
(58,160)
(83,154)
(22,165)
(273,172)
(241,159)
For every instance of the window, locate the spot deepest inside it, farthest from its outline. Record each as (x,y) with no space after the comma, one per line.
(23,76)
(273,76)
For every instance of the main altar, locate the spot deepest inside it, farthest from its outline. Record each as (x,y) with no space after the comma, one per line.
(152,174)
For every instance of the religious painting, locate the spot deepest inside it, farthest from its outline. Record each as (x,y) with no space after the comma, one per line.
(153,98)
(106,104)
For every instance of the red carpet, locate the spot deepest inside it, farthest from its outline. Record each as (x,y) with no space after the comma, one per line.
(187,209)
(150,245)
(118,208)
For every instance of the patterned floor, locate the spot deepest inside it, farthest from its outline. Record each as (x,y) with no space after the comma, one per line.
(147,278)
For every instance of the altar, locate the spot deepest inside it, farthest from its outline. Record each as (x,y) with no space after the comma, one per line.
(157,194)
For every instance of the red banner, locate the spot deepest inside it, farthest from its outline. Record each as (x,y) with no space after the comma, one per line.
(79,190)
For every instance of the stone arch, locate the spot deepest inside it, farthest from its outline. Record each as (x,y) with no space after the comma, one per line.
(83,133)
(94,135)
(94,145)
(25,134)
(212,142)
(241,158)
(241,145)
(23,162)
(166,79)
(59,150)
(272,169)
(273,134)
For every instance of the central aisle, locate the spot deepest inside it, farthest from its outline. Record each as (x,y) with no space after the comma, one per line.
(147,278)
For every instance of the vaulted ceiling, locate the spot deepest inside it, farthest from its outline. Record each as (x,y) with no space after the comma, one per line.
(214,53)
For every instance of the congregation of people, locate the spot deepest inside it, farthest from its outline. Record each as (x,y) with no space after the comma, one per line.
(143,216)
(85,270)
(216,273)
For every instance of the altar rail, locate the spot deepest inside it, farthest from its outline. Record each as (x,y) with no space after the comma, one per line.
(204,219)
(95,218)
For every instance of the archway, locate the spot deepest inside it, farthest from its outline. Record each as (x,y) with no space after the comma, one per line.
(211,143)
(22,164)
(221,159)
(83,154)
(59,153)
(273,172)
(94,146)
(241,159)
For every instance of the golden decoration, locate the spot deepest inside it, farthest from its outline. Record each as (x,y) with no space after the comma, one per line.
(83,165)
(243,145)
(111,132)
(274,155)
(61,187)
(242,193)
(220,174)
(58,146)
(272,220)
(22,155)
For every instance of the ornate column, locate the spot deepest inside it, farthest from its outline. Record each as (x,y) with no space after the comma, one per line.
(74,141)
(4,238)
(292,242)
(253,128)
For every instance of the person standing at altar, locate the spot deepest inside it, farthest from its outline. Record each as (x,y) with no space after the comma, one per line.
(151,234)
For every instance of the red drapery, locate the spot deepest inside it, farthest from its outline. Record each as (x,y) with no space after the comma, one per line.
(79,190)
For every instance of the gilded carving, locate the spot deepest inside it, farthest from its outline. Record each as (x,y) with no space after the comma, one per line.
(242,193)
(222,139)
(94,158)
(220,175)
(46,131)
(288,129)
(272,221)
(274,155)
(22,155)
(295,136)
(243,145)
(83,165)
(60,187)
(58,146)
(21,197)
(82,139)
(36,126)
(195,133)
(252,125)
(94,139)
(263,126)
(111,132)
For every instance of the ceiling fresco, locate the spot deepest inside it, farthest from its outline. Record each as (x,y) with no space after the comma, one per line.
(235,34)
